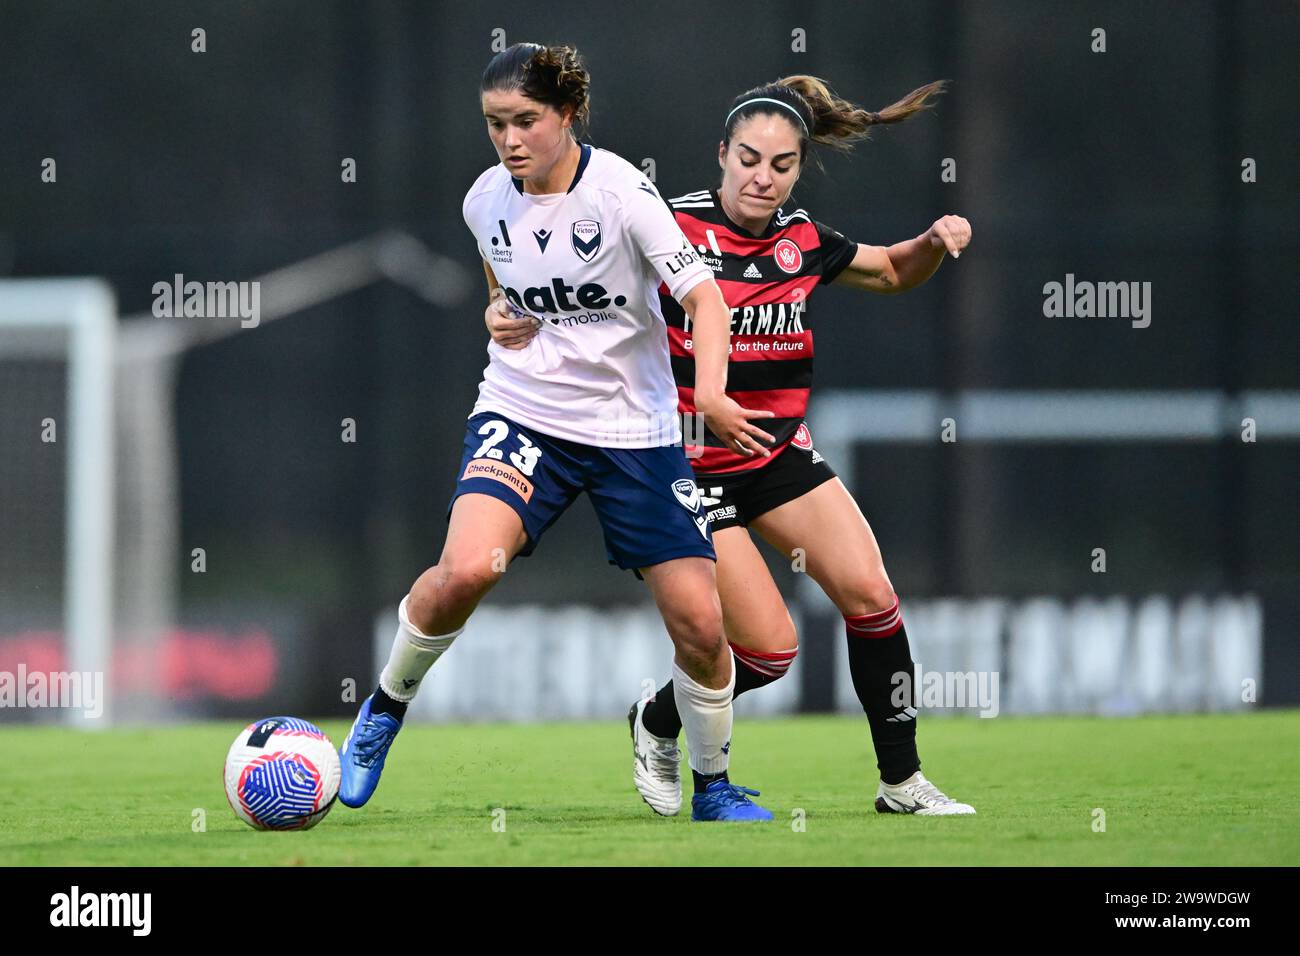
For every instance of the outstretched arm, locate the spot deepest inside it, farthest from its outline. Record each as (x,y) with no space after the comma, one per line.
(905,265)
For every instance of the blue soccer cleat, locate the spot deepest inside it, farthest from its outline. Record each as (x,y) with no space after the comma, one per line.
(363,753)
(723,800)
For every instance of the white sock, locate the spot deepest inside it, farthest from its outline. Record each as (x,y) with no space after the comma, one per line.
(706,720)
(412,655)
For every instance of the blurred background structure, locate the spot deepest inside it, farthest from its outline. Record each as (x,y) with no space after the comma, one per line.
(258,547)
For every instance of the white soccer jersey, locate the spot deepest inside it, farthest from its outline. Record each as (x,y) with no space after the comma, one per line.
(588,263)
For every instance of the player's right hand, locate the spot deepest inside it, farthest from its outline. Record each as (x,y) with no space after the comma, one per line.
(727,419)
(508,328)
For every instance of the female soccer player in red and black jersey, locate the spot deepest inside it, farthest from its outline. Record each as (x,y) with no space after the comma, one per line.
(767,263)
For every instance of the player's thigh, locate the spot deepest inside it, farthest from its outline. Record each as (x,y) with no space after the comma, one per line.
(838,545)
(754,615)
(654,522)
(483,534)
(512,484)
(524,472)
(482,531)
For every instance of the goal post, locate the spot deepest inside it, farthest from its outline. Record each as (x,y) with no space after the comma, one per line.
(61,328)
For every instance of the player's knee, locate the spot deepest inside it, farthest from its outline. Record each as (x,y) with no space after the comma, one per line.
(872,592)
(776,634)
(445,595)
(698,636)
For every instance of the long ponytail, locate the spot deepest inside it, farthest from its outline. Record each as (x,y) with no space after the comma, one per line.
(825,119)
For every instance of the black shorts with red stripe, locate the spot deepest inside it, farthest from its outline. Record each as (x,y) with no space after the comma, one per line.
(738,498)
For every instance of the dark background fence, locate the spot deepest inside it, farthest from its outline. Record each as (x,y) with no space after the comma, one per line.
(1117,166)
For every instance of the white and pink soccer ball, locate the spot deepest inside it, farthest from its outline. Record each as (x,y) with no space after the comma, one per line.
(282,773)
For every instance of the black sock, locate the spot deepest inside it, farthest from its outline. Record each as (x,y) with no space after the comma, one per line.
(661,718)
(702,780)
(873,662)
(381,703)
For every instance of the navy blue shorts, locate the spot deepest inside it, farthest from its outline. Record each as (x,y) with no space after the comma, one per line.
(645,498)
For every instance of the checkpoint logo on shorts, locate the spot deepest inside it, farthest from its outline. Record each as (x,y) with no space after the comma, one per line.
(510,477)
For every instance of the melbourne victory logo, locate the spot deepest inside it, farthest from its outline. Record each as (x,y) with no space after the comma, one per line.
(586,239)
(687,494)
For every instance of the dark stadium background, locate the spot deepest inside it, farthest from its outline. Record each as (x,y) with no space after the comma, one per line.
(1116,166)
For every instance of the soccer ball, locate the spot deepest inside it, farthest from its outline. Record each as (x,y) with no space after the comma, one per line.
(282,773)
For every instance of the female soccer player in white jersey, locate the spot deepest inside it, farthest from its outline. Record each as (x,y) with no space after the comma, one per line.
(581,241)
(767,263)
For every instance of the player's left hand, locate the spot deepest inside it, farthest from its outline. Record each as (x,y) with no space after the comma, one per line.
(952,233)
(508,327)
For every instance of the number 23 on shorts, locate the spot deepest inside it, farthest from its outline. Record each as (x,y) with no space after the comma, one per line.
(515,470)
(525,459)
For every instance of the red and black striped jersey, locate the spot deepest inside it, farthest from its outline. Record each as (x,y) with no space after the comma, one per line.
(766,281)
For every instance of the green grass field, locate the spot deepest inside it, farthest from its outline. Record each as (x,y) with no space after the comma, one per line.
(1194,790)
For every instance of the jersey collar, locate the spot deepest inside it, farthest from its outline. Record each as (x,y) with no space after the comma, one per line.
(577,173)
